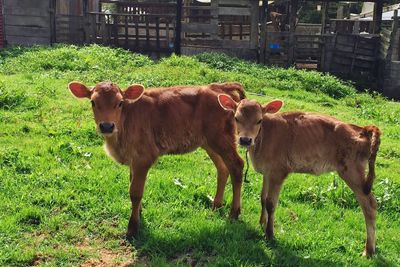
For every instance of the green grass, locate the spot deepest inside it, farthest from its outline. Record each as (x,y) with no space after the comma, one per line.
(64,202)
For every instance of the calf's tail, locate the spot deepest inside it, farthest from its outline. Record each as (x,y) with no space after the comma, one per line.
(374,134)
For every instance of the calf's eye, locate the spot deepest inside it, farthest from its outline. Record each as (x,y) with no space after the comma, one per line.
(236,119)
(258,122)
(120,104)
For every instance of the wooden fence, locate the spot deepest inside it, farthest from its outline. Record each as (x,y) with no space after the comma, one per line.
(144,33)
(225,26)
(308,51)
(351,55)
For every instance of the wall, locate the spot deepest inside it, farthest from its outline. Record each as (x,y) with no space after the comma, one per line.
(27,22)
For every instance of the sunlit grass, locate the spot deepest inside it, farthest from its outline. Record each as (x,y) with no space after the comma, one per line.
(63,201)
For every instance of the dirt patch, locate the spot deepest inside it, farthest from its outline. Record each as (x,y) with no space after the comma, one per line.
(106,257)
(40,259)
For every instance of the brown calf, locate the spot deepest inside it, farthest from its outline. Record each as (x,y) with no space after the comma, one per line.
(139,126)
(298,142)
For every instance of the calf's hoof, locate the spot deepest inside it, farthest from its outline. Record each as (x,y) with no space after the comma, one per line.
(263,221)
(216,205)
(368,252)
(234,215)
(131,235)
(269,234)
(133,230)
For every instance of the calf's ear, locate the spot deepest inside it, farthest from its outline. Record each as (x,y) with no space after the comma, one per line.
(134,92)
(273,106)
(227,103)
(79,90)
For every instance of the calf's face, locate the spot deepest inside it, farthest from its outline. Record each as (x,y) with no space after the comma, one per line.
(107,101)
(248,116)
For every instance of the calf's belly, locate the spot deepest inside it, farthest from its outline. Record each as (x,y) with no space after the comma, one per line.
(316,166)
(181,147)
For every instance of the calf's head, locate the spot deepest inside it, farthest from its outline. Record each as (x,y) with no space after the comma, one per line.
(108,101)
(248,116)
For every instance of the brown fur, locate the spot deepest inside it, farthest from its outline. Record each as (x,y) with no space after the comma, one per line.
(299,142)
(162,121)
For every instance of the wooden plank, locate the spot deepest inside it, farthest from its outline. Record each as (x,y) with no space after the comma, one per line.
(234,2)
(27,31)
(167,33)
(292,26)
(235,11)
(28,11)
(378,9)
(158,33)
(199,27)
(214,17)
(395,51)
(324,18)
(26,40)
(215,43)
(104,30)
(147,33)
(178,27)
(18,20)
(263,31)
(254,24)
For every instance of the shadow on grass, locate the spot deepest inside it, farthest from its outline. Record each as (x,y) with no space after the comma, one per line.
(228,244)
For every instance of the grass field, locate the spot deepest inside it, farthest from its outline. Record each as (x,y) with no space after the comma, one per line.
(63,202)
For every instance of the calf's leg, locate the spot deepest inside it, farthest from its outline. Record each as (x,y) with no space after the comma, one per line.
(226,148)
(272,185)
(138,172)
(355,178)
(222,176)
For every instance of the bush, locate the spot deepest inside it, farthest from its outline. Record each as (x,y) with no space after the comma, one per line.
(70,58)
(284,79)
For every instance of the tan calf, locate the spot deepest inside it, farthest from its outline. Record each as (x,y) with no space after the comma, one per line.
(298,142)
(139,126)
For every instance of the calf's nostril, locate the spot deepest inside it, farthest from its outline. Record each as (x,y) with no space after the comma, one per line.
(106,127)
(245,141)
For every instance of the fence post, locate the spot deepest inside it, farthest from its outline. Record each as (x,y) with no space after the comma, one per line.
(53,30)
(254,24)
(86,23)
(395,35)
(263,22)
(178,27)
(292,30)
(356,27)
(378,9)
(324,10)
(214,5)
(93,28)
